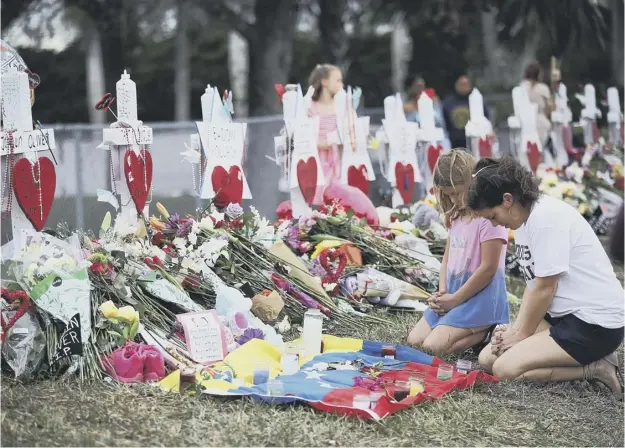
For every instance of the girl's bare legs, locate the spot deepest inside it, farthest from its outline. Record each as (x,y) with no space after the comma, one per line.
(418,334)
(444,339)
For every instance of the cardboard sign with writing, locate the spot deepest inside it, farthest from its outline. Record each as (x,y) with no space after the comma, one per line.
(222,147)
(205,336)
(70,342)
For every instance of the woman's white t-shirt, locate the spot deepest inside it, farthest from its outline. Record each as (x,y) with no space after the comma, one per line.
(556,239)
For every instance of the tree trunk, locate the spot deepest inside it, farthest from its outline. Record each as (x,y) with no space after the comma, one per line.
(400,52)
(618,60)
(182,83)
(334,42)
(238,65)
(95,75)
(271,52)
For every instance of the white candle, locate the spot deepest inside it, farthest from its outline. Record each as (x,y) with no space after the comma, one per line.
(126,98)
(426,111)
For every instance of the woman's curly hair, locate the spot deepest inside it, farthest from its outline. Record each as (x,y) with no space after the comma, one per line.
(493,178)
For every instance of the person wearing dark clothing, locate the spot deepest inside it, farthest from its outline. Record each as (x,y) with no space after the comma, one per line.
(616,239)
(456,112)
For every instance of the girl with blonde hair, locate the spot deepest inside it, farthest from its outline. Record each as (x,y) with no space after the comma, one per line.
(471,298)
(327,81)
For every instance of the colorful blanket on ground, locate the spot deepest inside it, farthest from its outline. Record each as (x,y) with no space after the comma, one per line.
(335,390)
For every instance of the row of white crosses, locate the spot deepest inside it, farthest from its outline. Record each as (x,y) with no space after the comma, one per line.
(32,179)
(217,149)
(129,141)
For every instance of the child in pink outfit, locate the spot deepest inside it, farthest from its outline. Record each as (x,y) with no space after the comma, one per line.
(327,80)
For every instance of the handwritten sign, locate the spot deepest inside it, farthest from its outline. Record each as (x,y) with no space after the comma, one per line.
(204,335)
(127,136)
(37,140)
(222,145)
(70,342)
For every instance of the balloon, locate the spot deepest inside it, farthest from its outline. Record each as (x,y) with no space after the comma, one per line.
(354,199)
(285,210)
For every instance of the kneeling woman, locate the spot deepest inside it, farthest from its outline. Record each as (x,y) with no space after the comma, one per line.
(571,318)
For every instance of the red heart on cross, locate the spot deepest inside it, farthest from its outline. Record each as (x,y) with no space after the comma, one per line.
(307,179)
(34,186)
(533,156)
(280,91)
(228,185)
(138,172)
(404,178)
(485,148)
(357,177)
(433,153)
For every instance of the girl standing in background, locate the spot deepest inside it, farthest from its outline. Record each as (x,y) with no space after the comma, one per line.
(327,81)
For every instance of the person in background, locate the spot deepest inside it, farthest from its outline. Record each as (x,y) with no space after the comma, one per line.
(411,105)
(456,112)
(471,297)
(539,94)
(327,81)
(571,321)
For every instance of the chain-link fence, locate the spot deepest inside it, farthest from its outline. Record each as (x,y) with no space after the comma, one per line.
(83,169)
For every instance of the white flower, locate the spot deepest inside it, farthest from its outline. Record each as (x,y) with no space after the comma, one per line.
(265,236)
(234,210)
(211,250)
(192,237)
(206,224)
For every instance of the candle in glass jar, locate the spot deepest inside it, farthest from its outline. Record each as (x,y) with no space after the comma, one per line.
(389,351)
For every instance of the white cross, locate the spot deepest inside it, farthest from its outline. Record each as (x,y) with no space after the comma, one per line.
(590,113)
(479,128)
(352,134)
(615,116)
(523,123)
(127,132)
(17,122)
(218,143)
(401,137)
(561,119)
(300,164)
(429,138)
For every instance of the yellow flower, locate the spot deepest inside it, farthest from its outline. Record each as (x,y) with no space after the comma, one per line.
(128,313)
(109,310)
(156,223)
(325,244)
(161,208)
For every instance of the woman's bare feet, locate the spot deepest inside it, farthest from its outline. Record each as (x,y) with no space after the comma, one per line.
(606,373)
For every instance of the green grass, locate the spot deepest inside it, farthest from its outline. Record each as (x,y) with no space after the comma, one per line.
(67,413)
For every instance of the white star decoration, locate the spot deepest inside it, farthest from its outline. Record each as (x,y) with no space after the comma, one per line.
(313,375)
